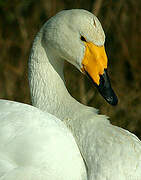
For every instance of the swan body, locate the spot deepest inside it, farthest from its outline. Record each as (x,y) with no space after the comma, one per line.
(110,152)
(36,145)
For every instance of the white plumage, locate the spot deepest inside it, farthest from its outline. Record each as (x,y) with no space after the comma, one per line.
(110,152)
(35,145)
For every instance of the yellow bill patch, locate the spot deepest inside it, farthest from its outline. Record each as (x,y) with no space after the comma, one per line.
(94,61)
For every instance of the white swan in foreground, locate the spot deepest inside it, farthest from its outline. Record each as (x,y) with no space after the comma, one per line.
(110,153)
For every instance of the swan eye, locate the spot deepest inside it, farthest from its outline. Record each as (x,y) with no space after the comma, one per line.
(83,39)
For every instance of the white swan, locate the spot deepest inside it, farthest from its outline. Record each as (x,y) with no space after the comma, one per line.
(110,153)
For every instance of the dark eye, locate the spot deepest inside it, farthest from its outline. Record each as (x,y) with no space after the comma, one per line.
(83,39)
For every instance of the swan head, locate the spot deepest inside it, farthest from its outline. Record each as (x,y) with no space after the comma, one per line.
(77,36)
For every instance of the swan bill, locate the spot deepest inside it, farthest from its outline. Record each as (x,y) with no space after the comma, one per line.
(105,88)
(94,64)
(94,61)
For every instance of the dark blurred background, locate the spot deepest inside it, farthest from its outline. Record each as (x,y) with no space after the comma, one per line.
(121,20)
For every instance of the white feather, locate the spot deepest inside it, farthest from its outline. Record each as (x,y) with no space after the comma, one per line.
(36,145)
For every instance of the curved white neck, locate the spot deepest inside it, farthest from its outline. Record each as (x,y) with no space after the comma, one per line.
(48,90)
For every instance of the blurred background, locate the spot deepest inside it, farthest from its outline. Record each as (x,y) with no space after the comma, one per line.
(121,20)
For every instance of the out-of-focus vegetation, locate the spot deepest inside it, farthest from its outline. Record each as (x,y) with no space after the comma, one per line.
(121,20)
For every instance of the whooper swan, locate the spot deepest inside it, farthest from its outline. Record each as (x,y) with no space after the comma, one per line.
(109,152)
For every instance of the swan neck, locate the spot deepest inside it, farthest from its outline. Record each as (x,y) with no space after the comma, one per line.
(46,79)
(47,85)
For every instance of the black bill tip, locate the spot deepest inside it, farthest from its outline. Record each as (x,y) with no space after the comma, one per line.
(105,88)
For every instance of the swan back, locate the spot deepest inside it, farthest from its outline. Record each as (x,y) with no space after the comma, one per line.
(36,145)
